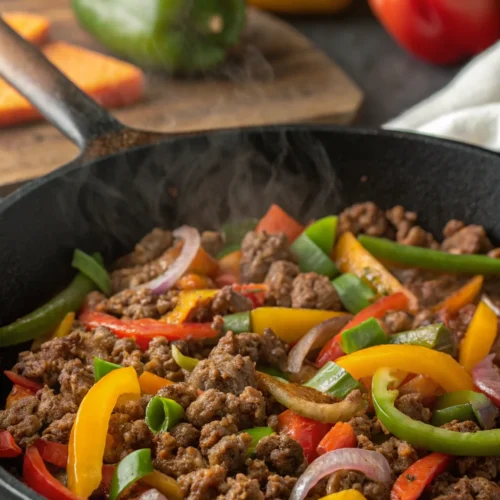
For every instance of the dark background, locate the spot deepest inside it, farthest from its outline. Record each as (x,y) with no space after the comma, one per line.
(392,79)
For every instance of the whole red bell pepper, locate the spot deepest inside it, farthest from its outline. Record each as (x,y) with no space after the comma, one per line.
(8,447)
(441,31)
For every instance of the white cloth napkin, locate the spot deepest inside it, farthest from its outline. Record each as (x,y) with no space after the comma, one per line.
(467,109)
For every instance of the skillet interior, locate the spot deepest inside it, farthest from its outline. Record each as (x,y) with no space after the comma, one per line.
(205,179)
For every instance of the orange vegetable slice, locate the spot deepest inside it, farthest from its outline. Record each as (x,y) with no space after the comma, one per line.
(32,27)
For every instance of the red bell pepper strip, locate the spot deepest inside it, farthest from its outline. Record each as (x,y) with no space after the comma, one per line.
(412,482)
(54,453)
(395,302)
(441,31)
(276,220)
(304,430)
(23,381)
(341,435)
(38,478)
(256,292)
(145,330)
(16,393)
(8,447)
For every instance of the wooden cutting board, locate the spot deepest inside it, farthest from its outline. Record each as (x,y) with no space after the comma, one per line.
(279,76)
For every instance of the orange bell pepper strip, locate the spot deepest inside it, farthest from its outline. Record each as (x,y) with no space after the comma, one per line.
(188,301)
(16,393)
(460,298)
(151,383)
(428,389)
(412,482)
(276,220)
(341,435)
(352,257)
(479,337)
(204,264)
(164,484)
(32,27)
(396,302)
(440,367)
(193,281)
(230,264)
(88,435)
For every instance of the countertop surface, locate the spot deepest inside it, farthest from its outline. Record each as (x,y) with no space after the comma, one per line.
(391,78)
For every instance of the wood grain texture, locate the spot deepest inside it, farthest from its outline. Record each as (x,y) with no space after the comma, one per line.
(276,76)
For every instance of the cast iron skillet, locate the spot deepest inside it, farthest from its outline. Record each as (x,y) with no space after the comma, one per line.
(126,182)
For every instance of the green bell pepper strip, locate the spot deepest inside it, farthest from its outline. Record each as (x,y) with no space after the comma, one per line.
(133,467)
(435,336)
(257,433)
(102,368)
(186,362)
(421,435)
(427,258)
(45,319)
(458,412)
(163,413)
(366,334)
(92,269)
(311,258)
(323,232)
(234,232)
(484,410)
(353,292)
(333,380)
(237,323)
(173,35)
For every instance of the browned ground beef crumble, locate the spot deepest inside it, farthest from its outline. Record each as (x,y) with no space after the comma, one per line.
(207,453)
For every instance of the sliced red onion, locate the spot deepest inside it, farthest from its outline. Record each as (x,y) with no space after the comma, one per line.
(487,378)
(314,338)
(169,278)
(371,463)
(152,495)
(490,304)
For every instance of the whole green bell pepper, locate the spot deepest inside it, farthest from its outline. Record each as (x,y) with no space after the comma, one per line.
(176,35)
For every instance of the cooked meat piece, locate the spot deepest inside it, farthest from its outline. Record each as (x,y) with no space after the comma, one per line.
(411,405)
(181,393)
(199,349)
(487,467)
(494,254)
(457,426)
(364,218)
(458,324)
(75,380)
(432,291)
(280,279)
(231,452)
(186,435)
(134,408)
(59,430)
(313,291)
(137,303)
(397,321)
(93,299)
(265,349)
(242,488)
(158,360)
(423,318)
(281,454)
(399,454)
(165,446)
(407,231)
(464,239)
(257,469)
(150,247)
(366,426)
(225,373)
(185,461)
(213,432)
(21,420)
(259,251)
(469,489)
(227,301)
(279,488)
(88,345)
(209,406)
(346,480)
(127,353)
(212,242)
(53,406)
(203,484)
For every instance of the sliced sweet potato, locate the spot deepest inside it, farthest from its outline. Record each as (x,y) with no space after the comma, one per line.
(33,27)
(111,82)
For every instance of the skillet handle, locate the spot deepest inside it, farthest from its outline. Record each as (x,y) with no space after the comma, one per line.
(75,114)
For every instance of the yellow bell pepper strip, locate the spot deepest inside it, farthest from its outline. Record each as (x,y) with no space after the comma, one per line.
(289,324)
(345,495)
(88,435)
(188,301)
(439,366)
(62,330)
(302,6)
(164,484)
(479,337)
(460,298)
(186,362)
(352,257)
(151,383)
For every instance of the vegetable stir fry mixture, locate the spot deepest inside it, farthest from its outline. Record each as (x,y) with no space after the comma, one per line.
(351,358)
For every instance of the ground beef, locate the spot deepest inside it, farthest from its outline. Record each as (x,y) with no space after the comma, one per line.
(259,251)
(231,452)
(137,303)
(364,218)
(185,461)
(458,324)
(457,426)
(281,454)
(203,484)
(227,301)
(487,467)
(423,318)
(212,242)
(397,321)
(430,292)
(366,426)
(86,345)
(257,469)
(279,488)
(213,432)
(242,488)
(185,435)
(346,480)
(264,349)
(21,420)
(53,406)
(181,393)
(280,280)
(462,239)
(399,454)
(59,430)
(313,291)
(126,353)
(407,231)
(465,489)
(75,380)
(158,360)
(134,408)
(411,405)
